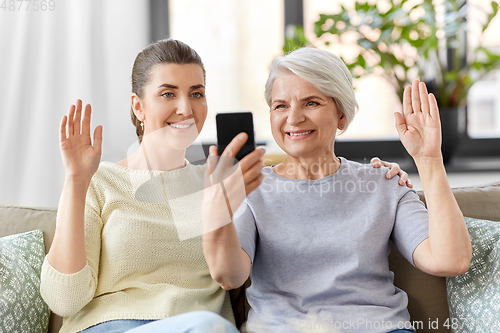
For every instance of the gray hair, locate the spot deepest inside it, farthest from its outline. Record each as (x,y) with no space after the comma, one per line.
(324,70)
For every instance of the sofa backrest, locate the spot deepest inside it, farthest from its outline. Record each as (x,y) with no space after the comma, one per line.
(14,220)
(480,202)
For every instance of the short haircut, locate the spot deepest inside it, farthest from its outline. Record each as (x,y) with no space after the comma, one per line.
(324,70)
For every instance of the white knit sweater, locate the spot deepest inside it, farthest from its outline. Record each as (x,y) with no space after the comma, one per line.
(137,265)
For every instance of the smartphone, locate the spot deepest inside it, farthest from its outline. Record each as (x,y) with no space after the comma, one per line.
(231,124)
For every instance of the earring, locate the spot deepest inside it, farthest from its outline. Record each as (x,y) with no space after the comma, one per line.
(341,126)
(142,126)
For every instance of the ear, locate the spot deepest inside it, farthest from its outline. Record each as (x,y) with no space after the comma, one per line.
(137,107)
(342,122)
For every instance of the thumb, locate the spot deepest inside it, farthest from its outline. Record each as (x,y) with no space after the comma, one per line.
(400,123)
(213,151)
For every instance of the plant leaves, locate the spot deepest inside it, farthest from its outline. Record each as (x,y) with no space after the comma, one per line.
(396,29)
(361,61)
(494,7)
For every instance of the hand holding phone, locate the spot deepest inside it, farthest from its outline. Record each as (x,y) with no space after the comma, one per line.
(231,124)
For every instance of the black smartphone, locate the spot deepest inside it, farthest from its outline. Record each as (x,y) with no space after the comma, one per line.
(231,124)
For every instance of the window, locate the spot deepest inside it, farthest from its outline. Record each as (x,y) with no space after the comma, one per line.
(377,99)
(484,96)
(375,96)
(237,41)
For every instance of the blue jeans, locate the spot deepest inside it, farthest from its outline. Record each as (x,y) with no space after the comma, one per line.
(190,322)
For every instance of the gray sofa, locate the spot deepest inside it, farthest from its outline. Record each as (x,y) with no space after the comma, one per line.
(427,294)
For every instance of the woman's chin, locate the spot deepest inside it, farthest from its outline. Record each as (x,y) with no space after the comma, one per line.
(181,143)
(297,153)
(179,140)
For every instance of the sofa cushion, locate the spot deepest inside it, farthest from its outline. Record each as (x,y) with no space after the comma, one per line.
(474,297)
(14,220)
(22,308)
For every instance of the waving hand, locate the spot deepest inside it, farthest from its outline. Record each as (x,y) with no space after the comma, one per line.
(80,157)
(420,129)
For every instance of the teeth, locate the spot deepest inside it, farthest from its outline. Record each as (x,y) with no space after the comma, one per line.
(180,126)
(297,134)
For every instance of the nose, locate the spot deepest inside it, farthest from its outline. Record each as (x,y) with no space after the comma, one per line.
(184,107)
(295,115)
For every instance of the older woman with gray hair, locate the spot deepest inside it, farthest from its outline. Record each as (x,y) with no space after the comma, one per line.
(314,237)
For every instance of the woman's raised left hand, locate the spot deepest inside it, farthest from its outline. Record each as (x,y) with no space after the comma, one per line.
(420,128)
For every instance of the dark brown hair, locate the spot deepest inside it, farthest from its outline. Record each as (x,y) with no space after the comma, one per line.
(165,51)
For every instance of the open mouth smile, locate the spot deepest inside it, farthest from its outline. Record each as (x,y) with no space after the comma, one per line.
(180,125)
(299,135)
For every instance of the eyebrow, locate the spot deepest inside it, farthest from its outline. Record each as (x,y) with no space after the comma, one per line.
(311,97)
(171,86)
(278,101)
(307,98)
(197,86)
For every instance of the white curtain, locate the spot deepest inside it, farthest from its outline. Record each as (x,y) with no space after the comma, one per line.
(82,49)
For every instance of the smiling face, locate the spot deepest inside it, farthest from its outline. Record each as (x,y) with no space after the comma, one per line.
(173,106)
(304,121)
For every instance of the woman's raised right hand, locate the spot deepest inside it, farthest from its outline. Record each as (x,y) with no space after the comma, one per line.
(80,158)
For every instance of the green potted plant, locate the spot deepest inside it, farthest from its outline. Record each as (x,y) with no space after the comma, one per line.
(403,40)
